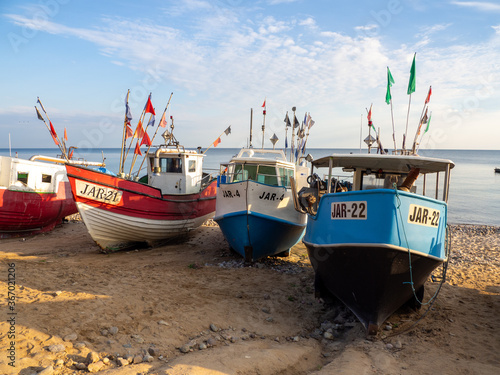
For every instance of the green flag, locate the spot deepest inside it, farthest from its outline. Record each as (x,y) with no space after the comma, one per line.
(428,123)
(411,84)
(390,81)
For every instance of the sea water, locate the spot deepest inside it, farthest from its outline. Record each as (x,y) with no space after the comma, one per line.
(474,191)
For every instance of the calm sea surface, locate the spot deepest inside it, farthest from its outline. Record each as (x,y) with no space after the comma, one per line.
(474,193)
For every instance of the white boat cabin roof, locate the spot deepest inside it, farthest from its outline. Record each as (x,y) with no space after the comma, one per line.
(261,156)
(393,163)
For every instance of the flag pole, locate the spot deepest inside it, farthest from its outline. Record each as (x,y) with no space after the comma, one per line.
(370,124)
(422,115)
(393,129)
(154,135)
(49,129)
(407,118)
(411,89)
(125,122)
(293,134)
(308,125)
(251,123)
(141,118)
(225,131)
(425,131)
(134,158)
(264,122)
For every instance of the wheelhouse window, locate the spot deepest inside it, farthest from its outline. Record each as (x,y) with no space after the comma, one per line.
(171,165)
(377,180)
(266,174)
(47,178)
(192,166)
(23,177)
(243,172)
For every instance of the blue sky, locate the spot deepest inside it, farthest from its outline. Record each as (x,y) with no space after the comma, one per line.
(220,58)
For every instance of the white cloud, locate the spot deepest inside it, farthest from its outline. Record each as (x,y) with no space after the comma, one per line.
(478,5)
(308,22)
(232,59)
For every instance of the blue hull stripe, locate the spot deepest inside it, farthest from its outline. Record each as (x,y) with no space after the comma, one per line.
(265,234)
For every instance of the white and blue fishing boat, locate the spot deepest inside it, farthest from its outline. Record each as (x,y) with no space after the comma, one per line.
(374,240)
(254,205)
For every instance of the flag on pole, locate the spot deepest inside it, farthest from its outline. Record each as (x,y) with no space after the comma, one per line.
(146,140)
(286,142)
(390,81)
(137,149)
(129,133)
(52,130)
(369,117)
(139,131)
(264,106)
(53,134)
(228,130)
(38,114)
(412,83)
(428,99)
(149,106)
(151,121)
(65,135)
(41,105)
(163,122)
(311,123)
(428,123)
(287,120)
(217,141)
(128,114)
(295,122)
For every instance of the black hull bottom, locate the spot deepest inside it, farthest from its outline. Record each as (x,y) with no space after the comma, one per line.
(373,282)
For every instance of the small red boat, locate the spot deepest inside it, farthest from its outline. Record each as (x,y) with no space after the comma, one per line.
(35,195)
(174,198)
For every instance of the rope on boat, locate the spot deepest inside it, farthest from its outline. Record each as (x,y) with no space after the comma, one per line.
(431,301)
(445,264)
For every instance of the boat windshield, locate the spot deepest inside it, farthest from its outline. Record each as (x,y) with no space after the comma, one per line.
(171,165)
(266,174)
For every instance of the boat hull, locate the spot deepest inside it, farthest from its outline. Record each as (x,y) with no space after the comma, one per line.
(368,261)
(119,213)
(25,213)
(258,220)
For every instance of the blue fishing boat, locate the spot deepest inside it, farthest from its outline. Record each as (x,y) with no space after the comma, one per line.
(375,235)
(254,205)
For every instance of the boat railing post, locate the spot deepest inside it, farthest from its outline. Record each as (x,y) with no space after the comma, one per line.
(446,183)
(423,185)
(330,165)
(437,186)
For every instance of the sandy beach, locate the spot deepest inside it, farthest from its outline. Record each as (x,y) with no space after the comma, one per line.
(192,307)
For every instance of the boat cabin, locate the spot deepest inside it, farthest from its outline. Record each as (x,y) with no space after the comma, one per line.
(413,173)
(268,167)
(32,176)
(176,171)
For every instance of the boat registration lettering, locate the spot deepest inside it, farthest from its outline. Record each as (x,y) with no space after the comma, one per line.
(230,194)
(98,193)
(423,216)
(271,196)
(356,210)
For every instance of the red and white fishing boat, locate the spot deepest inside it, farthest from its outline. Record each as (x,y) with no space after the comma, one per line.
(35,195)
(175,197)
